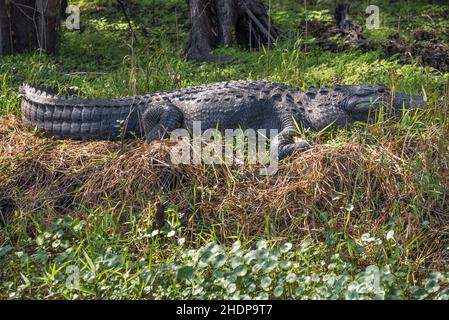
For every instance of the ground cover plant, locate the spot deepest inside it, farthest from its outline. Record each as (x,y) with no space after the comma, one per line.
(365,215)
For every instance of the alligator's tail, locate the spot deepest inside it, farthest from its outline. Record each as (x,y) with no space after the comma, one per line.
(77,118)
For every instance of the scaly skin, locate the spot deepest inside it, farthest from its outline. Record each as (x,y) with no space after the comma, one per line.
(226,105)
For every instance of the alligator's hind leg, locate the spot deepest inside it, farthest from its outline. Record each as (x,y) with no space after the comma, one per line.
(285,143)
(159,120)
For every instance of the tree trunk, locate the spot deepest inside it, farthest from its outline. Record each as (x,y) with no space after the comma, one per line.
(225,22)
(5,30)
(48,20)
(26,25)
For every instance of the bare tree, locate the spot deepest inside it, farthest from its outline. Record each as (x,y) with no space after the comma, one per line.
(29,24)
(223,22)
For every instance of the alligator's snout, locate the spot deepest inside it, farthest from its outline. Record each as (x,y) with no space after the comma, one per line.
(401,101)
(366,98)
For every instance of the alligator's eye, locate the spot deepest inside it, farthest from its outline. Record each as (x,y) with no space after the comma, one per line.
(364,92)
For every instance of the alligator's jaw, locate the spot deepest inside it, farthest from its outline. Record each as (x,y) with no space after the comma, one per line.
(77,118)
(405,101)
(362,101)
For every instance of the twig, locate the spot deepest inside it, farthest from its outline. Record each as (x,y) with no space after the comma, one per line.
(259,24)
(125,13)
(80,73)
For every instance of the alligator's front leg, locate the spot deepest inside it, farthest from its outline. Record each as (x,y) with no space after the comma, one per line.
(285,143)
(159,120)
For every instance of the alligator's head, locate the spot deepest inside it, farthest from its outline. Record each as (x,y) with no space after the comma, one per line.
(361,101)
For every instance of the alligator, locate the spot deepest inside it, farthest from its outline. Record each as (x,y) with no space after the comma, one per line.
(225,105)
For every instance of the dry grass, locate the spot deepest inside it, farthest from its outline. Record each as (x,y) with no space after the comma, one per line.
(360,186)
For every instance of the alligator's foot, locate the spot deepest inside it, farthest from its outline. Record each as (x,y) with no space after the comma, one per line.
(289,149)
(287,142)
(160,120)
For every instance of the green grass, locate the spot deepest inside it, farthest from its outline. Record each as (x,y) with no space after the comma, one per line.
(67,260)
(346,243)
(146,263)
